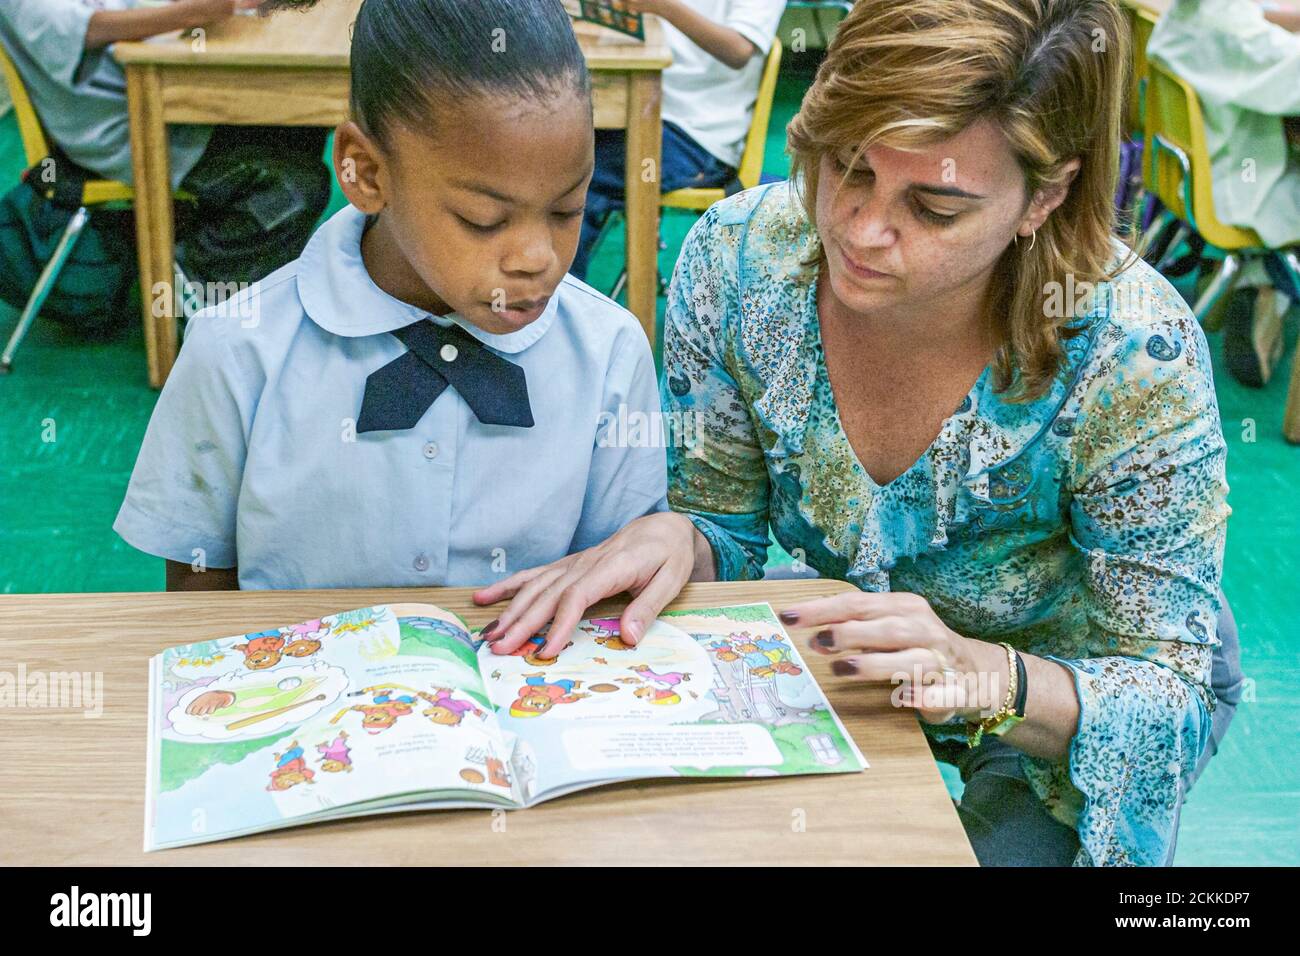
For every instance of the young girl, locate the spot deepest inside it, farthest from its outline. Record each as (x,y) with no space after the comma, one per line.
(419,399)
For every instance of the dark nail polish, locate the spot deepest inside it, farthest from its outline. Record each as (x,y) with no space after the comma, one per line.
(843,668)
(789,617)
(486,633)
(825,639)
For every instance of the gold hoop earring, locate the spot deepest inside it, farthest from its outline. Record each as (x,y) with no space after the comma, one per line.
(1033,237)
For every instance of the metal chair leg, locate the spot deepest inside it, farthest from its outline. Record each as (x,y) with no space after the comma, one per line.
(821,30)
(1224,278)
(605,228)
(44,285)
(621,282)
(1291,260)
(1291,419)
(1181,232)
(190,303)
(1162,221)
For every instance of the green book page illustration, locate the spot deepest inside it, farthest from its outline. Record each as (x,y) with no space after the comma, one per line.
(309,719)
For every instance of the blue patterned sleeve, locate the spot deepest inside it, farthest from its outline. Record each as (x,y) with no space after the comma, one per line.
(717,474)
(1148,512)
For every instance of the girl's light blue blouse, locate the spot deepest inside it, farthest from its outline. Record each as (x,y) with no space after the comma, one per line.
(252,459)
(1086,526)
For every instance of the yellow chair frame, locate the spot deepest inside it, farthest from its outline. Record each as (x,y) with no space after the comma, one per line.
(1141,23)
(1177,171)
(37,147)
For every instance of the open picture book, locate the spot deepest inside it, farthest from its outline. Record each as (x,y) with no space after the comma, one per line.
(401,707)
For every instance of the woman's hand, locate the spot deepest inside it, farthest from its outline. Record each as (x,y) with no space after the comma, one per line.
(652,558)
(897,637)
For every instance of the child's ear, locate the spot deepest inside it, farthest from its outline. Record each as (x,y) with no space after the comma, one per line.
(360,168)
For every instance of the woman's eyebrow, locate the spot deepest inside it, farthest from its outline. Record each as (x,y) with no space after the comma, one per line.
(944,191)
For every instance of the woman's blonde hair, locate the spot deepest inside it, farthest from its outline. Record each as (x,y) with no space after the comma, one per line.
(1050,74)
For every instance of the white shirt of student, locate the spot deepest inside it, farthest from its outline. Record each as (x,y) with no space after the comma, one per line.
(705,97)
(80,94)
(251,457)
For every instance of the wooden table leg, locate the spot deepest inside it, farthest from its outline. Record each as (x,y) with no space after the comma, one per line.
(644,136)
(153,219)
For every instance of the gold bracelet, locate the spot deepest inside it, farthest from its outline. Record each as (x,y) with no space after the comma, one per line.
(975,730)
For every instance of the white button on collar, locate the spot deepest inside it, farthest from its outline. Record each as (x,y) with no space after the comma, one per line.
(448,352)
(431,450)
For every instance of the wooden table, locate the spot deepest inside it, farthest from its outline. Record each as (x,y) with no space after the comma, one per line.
(291,69)
(72,788)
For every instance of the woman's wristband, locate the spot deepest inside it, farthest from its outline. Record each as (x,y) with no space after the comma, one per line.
(1022,685)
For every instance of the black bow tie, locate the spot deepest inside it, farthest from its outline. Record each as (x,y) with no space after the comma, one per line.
(398,395)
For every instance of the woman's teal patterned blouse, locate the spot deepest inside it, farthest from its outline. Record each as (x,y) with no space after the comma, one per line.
(1086,526)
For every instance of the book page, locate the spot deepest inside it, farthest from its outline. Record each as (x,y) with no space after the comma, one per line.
(711,692)
(277,726)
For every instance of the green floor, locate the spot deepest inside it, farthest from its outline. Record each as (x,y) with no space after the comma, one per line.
(58,499)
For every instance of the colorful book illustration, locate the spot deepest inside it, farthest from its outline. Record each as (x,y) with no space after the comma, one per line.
(608,13)
(401,707)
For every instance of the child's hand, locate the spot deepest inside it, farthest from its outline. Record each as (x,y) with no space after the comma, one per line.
(214,10)
(645,6)
(140,23)
(652,558)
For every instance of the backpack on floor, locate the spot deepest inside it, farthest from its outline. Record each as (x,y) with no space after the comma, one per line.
(92,296)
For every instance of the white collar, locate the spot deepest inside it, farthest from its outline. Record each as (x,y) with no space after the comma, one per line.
(339,295)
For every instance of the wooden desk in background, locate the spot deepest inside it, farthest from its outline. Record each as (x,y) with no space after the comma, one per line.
(291,69)
(72,788)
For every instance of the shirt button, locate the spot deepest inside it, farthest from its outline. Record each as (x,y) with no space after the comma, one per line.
(448,352)
(421,563)
(431,450)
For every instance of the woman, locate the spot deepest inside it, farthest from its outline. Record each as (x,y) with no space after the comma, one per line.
(936,376)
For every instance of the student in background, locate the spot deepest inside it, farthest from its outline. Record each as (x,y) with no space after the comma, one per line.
(718,48)
(1243,60)
(258,190)
(423,397)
